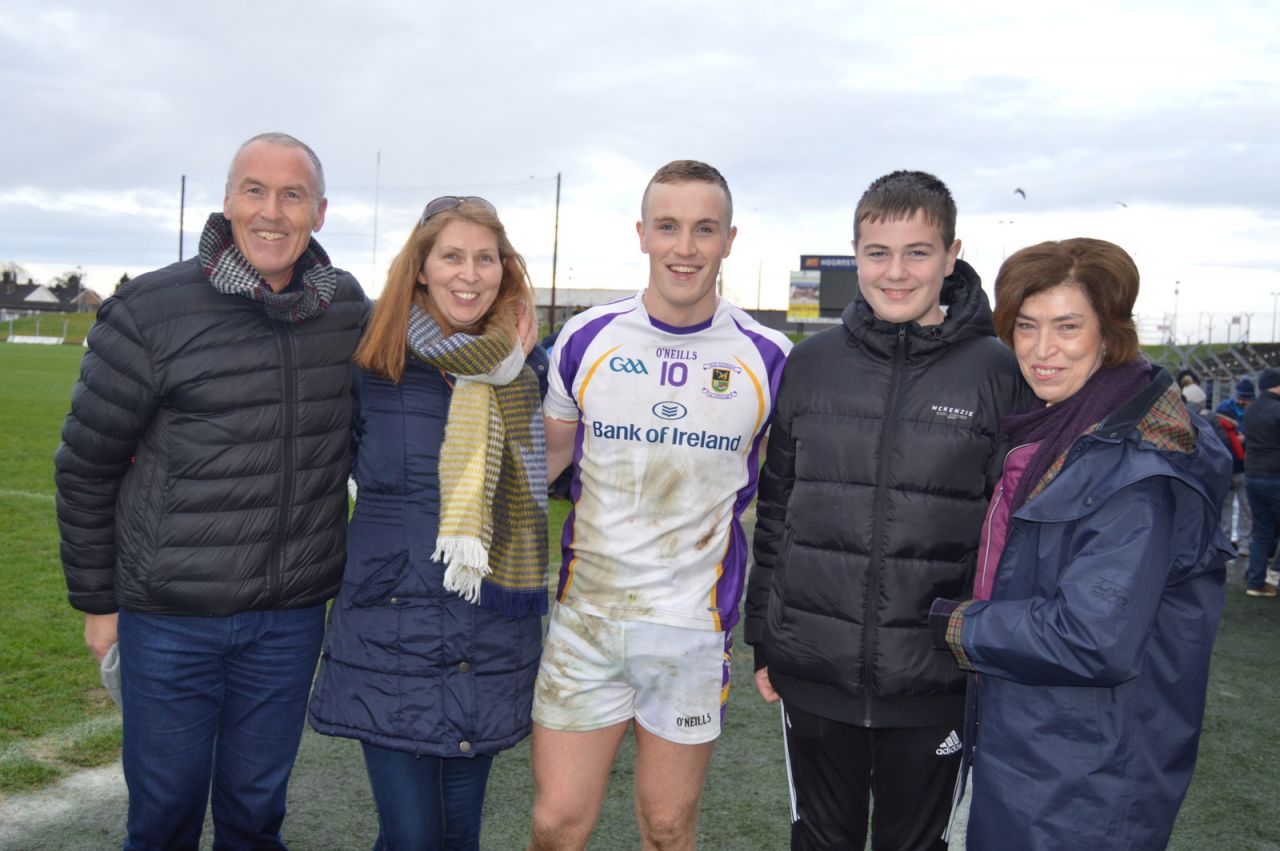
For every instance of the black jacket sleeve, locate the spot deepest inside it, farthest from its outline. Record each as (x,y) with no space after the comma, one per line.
(776,480)
(112,404)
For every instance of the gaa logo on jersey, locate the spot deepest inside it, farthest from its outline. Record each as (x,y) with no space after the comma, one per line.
(719,379)
(635,366)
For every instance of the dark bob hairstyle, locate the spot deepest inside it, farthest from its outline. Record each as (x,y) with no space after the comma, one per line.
(1103,271)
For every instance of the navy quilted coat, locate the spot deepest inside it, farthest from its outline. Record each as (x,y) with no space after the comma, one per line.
(406,664)
(1093,652)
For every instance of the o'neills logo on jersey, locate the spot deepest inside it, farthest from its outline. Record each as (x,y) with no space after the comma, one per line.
(693,720)
(950,413)
(676,354)
(719,378)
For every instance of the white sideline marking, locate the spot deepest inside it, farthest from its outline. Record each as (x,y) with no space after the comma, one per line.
(44,497)
(26,814)
(78,796)
(39,341)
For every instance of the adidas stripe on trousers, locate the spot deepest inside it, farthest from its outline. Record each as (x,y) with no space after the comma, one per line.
(903,777)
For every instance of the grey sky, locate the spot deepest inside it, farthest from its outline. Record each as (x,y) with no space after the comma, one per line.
(1172,108)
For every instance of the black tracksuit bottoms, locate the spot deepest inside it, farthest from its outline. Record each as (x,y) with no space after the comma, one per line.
(836,770)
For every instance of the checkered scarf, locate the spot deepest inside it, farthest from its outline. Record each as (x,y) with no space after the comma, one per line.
(493,470)
(1056,427)
(230,273)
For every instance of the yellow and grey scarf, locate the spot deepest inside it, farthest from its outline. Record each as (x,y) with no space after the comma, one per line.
(493,470)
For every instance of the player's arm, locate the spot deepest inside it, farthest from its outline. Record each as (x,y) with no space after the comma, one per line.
(560,434)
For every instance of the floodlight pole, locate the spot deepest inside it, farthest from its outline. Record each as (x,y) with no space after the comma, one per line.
(182,213)
(555,253)
(377,188)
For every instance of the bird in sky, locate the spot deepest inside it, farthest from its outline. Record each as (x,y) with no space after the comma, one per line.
(1019,191)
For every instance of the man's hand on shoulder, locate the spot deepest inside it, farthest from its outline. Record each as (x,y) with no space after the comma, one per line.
(526,328)
(560,435)
(100,633)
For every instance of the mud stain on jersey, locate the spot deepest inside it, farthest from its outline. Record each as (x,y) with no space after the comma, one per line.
(710,535)
(661,487)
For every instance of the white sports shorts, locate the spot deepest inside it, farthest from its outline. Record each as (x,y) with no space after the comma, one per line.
(597,672)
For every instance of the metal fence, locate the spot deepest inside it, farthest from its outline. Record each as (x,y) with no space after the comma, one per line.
(1218,367)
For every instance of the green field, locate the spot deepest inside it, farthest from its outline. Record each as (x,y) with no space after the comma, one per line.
(73,325)
(54,717)
(46,674)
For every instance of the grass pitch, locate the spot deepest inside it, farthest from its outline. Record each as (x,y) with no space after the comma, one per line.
(47,676)
(55,718)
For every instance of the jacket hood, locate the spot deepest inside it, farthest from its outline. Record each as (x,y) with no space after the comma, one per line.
(968,315)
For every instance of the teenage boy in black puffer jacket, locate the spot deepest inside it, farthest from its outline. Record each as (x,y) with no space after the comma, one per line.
(881,459)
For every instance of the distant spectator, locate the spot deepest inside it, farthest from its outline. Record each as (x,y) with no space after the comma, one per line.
(1234,407)
(1237,504)
(1262,480)
(1194,397)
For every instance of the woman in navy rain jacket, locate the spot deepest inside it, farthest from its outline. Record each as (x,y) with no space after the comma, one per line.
(1100,582)
(433,684)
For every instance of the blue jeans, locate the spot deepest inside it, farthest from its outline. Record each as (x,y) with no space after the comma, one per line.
(1264,502)
(426,803)
(214,701)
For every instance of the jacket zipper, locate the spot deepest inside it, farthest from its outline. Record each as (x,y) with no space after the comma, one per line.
(871,618)
(288,451)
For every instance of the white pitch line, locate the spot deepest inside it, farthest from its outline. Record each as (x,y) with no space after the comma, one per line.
(24,816)
(43,497)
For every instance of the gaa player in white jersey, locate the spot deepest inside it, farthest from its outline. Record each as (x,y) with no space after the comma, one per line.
(661,400)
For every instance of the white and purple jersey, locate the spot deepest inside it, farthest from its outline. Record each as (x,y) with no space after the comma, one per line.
(670,422)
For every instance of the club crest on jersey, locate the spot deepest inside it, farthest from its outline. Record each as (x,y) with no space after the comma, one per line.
(719,379)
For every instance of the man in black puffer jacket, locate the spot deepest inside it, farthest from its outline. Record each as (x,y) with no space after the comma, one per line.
(883,453)
(202,500)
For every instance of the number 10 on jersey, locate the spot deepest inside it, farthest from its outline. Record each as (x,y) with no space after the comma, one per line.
(674,373)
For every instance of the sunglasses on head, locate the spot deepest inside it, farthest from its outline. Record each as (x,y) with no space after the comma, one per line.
(452,202)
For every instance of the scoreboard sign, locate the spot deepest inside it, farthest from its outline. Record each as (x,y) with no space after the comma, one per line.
(834,280)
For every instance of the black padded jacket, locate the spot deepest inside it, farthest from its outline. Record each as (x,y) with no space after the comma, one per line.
(204,461)
(1262,448)
(884,450)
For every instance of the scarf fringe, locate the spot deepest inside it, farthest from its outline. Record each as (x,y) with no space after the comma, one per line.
(466,562)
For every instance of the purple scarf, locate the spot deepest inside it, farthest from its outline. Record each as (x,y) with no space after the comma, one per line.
(1056,427)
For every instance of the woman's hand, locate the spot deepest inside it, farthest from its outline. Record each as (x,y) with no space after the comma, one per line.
(526,328)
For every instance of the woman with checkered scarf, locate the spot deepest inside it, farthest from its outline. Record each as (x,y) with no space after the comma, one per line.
(1099,577)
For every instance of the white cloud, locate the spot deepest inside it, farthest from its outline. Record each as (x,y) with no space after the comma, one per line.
(1169,107)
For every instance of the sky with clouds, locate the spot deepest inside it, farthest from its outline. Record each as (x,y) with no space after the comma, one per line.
(1154,125)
